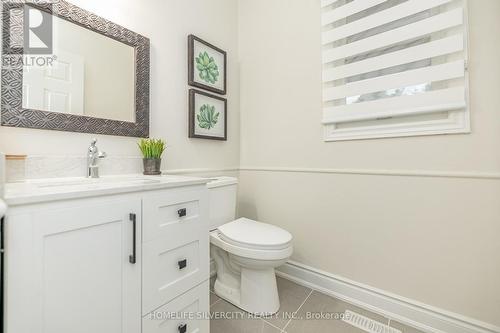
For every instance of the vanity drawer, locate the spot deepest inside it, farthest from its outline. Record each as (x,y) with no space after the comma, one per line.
(172,265)
(190,309)
(175,211)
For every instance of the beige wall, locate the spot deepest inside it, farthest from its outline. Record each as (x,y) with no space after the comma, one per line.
(167,24)
(434,240)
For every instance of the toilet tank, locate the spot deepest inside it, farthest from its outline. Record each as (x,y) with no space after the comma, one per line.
(222,193)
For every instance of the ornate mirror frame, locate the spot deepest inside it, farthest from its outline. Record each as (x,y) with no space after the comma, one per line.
(13,113)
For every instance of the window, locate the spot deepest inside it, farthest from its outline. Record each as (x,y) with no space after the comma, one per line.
(394,68)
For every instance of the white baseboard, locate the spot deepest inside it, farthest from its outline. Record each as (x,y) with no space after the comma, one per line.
(409,312)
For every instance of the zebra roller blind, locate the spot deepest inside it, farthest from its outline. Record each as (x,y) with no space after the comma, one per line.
(392,58)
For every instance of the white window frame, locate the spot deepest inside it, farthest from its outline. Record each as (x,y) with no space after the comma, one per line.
(454,121)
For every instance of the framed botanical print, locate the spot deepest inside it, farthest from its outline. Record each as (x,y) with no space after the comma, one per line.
(207,116)
(207,65)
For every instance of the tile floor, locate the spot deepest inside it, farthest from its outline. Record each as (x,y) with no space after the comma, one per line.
(294,299)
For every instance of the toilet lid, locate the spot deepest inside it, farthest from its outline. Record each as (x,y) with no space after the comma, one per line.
(248,233)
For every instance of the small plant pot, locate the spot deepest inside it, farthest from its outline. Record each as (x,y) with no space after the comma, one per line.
(152,166)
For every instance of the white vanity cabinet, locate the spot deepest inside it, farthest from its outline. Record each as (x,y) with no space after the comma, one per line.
(175,243)
(111,264)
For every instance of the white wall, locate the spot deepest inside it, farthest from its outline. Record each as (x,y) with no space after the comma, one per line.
(431,239)
(167,24)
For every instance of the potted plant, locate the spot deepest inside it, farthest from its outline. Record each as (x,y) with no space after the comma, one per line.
(152,149)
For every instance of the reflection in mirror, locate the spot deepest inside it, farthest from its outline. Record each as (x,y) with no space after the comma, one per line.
(91,75)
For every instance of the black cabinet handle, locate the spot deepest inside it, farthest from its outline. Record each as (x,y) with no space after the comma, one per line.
(182,212)
(182,264)
(132,258)
(183,328)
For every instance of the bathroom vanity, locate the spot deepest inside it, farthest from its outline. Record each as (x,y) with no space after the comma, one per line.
(112,255)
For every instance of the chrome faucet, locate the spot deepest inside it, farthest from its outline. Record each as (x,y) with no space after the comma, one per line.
(93,157)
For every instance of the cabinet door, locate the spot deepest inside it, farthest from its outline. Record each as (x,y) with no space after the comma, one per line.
(78,277)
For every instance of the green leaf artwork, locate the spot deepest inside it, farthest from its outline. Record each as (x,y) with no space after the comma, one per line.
(208,70)
(207,118)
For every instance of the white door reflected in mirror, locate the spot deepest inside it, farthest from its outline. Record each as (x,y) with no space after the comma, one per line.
(90,75)
(56,88)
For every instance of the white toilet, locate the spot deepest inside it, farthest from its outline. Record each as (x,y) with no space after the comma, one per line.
(246,252)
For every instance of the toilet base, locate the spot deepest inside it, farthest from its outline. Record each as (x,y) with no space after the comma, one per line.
(258,292)
(247,283)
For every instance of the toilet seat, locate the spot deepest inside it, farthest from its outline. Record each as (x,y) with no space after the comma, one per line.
(251,234)
(249,253)
(254,240)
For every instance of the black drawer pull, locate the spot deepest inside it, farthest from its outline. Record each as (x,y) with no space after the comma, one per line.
(183,328)
(133,257)
(182,264)
(182,212)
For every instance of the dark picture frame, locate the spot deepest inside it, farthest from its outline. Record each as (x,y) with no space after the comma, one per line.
(13,113)
(192,39)
(193,118)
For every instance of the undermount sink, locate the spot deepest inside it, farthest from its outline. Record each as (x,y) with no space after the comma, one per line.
(96,181)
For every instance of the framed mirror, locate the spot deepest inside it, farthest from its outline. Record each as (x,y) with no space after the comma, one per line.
(67,69)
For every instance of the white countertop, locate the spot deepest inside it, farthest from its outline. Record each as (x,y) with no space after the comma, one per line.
(45,190)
